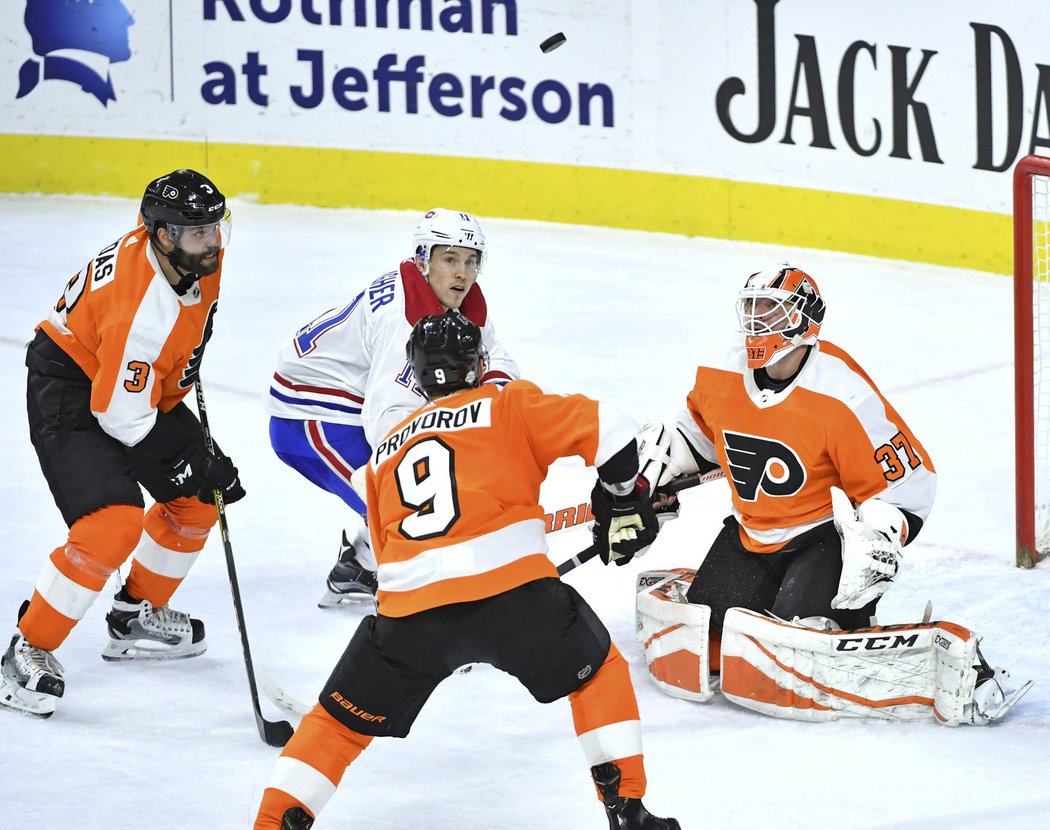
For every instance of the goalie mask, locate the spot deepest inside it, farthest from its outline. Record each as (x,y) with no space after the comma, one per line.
(193,212)
(446,354)
(778,311)
(447,227)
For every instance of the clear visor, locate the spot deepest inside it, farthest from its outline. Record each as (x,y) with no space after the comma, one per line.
(474,260)
(202,239)
(764,311)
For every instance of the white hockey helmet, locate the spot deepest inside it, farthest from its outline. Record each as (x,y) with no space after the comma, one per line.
(441,226)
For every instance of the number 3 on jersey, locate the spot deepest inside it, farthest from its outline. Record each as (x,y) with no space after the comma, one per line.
(426,483)
(139,374)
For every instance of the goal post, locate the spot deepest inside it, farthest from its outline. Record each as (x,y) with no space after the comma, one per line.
(1032,357)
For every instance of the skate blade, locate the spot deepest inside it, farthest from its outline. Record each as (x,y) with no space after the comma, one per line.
(117,651)
(333,600)
(1009,702)
(31,704)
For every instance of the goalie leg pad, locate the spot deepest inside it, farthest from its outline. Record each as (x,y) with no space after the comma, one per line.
(898,672)
(673,634)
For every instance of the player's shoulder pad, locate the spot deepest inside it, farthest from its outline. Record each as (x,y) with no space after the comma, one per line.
(832,372)
(520,388)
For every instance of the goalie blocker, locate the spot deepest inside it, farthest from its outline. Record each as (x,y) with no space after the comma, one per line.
(810,670)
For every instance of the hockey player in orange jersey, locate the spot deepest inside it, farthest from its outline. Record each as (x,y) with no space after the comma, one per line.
(108,370)
(828,484)
(458,533)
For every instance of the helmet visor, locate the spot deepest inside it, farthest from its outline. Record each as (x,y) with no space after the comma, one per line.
(196,240)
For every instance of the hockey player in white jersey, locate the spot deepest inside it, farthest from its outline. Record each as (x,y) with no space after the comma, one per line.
(342,382)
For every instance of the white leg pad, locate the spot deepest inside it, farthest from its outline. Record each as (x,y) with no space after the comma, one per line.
(898,672)
(673,634)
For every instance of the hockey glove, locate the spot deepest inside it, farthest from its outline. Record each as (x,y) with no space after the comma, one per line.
(199,473)
(624,526)
(871,549)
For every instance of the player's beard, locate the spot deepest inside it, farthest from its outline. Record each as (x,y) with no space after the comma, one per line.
(195,263)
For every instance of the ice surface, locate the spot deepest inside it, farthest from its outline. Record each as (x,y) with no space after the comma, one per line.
(623,316)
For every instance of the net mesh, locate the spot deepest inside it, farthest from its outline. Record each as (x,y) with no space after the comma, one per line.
(1041,356)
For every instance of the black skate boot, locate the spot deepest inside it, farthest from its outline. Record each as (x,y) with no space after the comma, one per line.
(350,581)
(138,631)
(625,813)
(296,818)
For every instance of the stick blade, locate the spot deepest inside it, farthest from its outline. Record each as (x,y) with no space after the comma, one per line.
(274,733)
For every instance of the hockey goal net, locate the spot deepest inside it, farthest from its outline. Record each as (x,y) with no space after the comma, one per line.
(1032,356)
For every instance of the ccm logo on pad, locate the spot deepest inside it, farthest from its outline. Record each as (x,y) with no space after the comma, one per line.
(880,643)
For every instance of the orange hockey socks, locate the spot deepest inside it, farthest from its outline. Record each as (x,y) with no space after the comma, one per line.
(310,767)
(77,571)
(174,536)
(605,714)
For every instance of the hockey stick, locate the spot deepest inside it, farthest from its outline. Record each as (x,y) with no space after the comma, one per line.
(274,733)
(669,489)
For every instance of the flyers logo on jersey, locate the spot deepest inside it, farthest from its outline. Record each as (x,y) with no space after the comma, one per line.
(762,465)
(192,370)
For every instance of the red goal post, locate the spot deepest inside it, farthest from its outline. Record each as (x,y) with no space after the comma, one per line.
(1032,357)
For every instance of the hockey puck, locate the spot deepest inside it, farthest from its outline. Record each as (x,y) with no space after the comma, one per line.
(552,43)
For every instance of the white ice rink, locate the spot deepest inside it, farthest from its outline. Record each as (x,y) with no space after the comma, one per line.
(623,316)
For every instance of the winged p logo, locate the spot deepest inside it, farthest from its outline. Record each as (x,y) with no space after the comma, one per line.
(762,465)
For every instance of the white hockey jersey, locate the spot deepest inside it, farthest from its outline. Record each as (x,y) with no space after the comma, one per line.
(349,366)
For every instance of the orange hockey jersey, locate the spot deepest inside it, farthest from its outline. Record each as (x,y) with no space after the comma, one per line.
(139,342)
(783,450)
(453,492)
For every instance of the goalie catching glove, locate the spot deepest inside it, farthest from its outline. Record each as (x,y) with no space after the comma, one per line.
(872,537)
(624,524)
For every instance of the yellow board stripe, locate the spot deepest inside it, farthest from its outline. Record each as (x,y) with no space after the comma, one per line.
(668,203)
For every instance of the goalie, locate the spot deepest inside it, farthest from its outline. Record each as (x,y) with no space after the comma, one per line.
(828,486)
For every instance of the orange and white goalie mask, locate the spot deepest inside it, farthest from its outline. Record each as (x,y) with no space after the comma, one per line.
(778,310)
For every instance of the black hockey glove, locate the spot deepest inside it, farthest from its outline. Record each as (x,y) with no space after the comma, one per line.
(199,473)
(624,526)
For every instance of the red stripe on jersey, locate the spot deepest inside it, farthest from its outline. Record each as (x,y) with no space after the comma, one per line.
(317,441)
(320,390)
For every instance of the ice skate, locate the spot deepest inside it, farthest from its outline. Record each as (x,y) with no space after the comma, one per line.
(350,582)
(625,813)
(138,631)
(296,818)
(30,679)
(995,694)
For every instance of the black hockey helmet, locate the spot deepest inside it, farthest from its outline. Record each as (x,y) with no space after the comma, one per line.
(444,351)
(183,198)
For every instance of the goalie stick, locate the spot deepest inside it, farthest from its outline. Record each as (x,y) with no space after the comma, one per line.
(274,733)
(671,488)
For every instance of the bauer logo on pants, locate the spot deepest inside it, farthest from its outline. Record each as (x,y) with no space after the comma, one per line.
(77,42)
(759,464)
